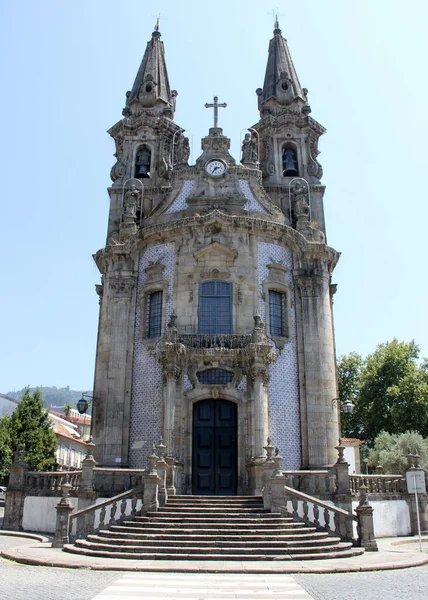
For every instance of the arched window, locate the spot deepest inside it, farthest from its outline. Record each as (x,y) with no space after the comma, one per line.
(154,314)
(290,166)
(215,307)
(277,321)
(215,377)
(142,163)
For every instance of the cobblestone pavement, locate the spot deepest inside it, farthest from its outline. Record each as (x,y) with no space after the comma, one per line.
(21,582)
(406,584)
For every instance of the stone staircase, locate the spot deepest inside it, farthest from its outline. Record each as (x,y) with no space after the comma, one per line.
(213,528)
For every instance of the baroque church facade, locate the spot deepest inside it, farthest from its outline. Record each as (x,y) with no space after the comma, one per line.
(215,325)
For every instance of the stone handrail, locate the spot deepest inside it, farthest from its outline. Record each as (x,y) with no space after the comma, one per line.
(324,516)
(208,340)
(379,484)
(109,512)
(320,483)
(48,483)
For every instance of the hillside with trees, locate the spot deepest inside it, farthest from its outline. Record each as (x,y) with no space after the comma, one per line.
(53,398)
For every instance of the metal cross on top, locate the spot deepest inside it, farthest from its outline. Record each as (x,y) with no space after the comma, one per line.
(216,106)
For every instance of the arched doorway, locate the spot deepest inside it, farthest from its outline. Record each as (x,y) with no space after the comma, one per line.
(214,456)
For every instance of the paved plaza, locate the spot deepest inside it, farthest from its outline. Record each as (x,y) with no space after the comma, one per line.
(372,576)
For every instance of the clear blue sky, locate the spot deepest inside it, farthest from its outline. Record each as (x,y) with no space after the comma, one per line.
(65,68)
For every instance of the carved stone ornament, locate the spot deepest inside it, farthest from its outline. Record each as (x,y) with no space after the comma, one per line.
(277,272)
(117,171)
(215,274)
(259,373)
(122,285)
(154,272)
(172,372)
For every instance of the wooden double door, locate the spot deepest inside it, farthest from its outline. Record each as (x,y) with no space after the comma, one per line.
(214,456)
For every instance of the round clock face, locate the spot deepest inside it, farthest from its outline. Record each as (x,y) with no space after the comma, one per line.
(215,168)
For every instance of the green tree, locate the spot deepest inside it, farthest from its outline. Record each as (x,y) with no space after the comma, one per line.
(5,450)
(30,425)
(67,409)
(389,389)
(349,370)
(390,451)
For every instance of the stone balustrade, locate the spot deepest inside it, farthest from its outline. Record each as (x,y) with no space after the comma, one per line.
(379,485)
(320,483)
(106,513)
(108,481)
(326,517)
(49,483)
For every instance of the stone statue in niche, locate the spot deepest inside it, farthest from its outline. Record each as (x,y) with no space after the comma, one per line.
(249,150)
(131,203)
(182,150)
(289,162)
(301,201)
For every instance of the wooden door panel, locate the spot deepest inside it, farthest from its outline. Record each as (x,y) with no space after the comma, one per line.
(214,447)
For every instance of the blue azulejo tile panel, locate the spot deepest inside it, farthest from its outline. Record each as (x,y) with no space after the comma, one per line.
(146,404)
(284,406)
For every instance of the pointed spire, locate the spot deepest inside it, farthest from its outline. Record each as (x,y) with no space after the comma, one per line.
(151,86)
(281,80)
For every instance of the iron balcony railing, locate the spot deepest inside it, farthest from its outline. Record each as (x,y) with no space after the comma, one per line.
(208,340)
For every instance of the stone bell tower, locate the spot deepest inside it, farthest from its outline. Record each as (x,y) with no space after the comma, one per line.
(215,328)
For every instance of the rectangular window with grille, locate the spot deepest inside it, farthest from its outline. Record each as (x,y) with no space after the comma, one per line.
(154,314)
(215,307)
(277,313)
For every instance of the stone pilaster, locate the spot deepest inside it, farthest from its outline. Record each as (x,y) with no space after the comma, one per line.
(172,374)
(260,379)
(320,427)
(113,370)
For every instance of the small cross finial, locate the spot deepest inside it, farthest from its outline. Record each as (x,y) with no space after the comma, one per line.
(275,15)
(216,106)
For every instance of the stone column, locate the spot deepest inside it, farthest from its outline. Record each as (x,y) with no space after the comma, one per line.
(343,496)
(365,527)
(151,485)
(170,475)
(172,373)
(63,512)
(415,474)
(161,467)
(15,495)
(260,380)
(320,425)
(113,370)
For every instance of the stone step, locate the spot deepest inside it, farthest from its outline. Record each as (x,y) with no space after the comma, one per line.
(212,517)
(217,525)
(213,499)
(178,535)
(216,505)
(213,528)
(214,544)
(216,549)
(225,529)
(344,551)
(207,510)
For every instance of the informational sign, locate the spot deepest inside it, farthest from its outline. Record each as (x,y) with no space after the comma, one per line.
(416,482)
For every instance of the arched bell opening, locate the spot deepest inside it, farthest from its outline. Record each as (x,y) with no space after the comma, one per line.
(143,161)
(290,164)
